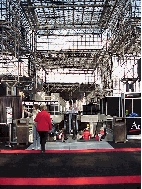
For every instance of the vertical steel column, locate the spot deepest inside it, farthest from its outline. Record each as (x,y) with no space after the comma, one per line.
(2,42)
(18,36)
(35,52)
(106,108)
(70,121)
(32,41)
(119,106)
(36,80)
(132,105)
(102,106)
(124,106)
(1,8)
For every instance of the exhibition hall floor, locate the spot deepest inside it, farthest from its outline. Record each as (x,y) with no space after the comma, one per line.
(75,145)
(77,165)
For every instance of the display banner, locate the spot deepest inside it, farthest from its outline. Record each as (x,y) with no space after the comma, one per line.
(9,114)
(133,126)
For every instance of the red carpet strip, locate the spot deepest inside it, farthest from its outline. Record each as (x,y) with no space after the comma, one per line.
(136,130)
(72,151)
(72,180)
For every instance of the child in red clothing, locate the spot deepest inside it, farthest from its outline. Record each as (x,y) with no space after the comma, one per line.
(86,135)
(97,137)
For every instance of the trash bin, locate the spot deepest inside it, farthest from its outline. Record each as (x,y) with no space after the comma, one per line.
(119,129)
(22,130)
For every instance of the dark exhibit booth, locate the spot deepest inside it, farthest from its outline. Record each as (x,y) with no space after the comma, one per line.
(128,107)
(7,125)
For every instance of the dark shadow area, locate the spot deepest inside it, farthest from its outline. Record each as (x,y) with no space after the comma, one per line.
(131,143)
(70,164)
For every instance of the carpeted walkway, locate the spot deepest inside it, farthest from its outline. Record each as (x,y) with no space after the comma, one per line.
(103,168)
(35,165)
(118,167)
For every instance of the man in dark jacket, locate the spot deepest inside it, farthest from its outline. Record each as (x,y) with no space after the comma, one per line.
(43,125)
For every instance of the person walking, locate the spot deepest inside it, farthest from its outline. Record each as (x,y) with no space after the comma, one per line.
(43,125)
(36,137)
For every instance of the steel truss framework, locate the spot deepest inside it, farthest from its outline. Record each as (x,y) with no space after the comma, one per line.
(70,91)
(78,35)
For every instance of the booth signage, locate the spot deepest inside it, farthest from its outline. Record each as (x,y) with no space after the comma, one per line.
(133,126)
(9,114)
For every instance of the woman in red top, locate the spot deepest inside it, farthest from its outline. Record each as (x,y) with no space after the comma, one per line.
(43,125)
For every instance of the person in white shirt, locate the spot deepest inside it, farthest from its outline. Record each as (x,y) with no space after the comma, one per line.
(36,137)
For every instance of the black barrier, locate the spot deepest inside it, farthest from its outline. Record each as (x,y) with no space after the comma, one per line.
(4,132)
(66,123)
(74,127)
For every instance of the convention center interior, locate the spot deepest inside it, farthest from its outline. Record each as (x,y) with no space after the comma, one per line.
(81,59)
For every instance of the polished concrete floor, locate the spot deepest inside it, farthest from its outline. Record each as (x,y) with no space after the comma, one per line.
(74,144)
(71,144)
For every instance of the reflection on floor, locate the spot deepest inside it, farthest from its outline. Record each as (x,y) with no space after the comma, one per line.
(134,136)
